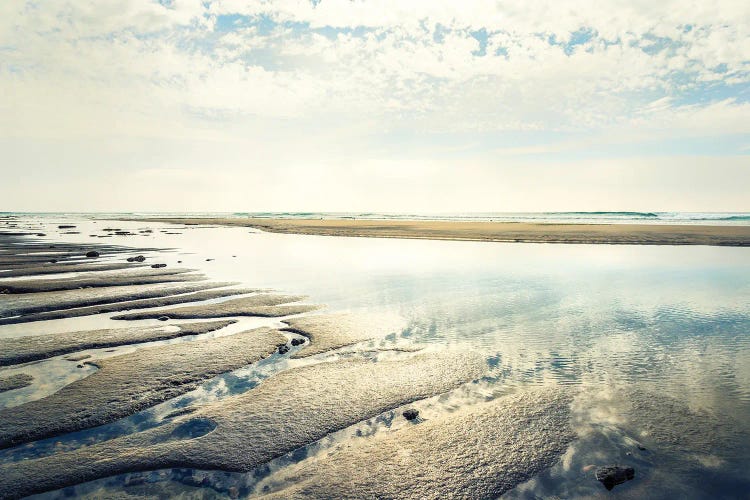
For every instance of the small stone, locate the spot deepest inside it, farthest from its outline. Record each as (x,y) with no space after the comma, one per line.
(612,475)
(411,414)
(296,342)
(283,349)
(92,253)
(163,318)
(157,266)
(137,258)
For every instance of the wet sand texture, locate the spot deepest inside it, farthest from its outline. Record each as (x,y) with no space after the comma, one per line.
(284,412)
(331,331)
(131,304)
(16,381)
(30,303)
(256,305)
(140,278)
(479,452)
(63,268)
(622,234)
(126,384)
(31,348)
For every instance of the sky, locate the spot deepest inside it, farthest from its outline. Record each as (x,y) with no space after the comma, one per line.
(383,106)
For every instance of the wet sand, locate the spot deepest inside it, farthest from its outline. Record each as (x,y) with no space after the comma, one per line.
(613,234)
(238,433)
(183,403)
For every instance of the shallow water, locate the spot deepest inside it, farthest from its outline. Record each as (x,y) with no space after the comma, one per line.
(612,320)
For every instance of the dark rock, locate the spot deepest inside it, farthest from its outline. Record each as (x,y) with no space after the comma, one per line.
(283,349)
(411,414)
(209,260)
(298,341)
(53,261)
(92,253)
(65,227)
(157,266)
(137,258)
(612,475)
(41,234)
(163,318)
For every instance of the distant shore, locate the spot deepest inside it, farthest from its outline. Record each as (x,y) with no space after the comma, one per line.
(612,234)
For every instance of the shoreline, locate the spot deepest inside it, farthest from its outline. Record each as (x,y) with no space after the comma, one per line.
(506,232)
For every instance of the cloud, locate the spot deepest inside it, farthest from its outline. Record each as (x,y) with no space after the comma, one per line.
(265,84)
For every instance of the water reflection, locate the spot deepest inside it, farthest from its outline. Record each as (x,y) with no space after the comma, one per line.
(668,321)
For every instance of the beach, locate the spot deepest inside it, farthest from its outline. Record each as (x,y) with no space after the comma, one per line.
(613,234)
(214,357)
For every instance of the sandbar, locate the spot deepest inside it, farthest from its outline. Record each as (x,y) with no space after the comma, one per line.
(615,234)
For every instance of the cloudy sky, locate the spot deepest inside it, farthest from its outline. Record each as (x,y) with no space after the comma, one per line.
(394,105)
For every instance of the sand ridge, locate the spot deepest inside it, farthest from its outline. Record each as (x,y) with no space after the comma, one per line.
(289,410)
(615,234)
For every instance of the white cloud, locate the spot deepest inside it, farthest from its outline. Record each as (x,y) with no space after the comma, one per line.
(313,87)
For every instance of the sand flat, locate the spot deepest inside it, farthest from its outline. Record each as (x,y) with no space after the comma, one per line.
(262,304)
(131,382)
(30,303)
(286,411)
(209,294)
(96,280)
(332,331)
(479,452)
(615,234)
(15,382)
(31,348)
